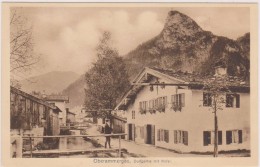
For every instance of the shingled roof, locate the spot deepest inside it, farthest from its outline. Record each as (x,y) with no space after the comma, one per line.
(195,78)
(178,78)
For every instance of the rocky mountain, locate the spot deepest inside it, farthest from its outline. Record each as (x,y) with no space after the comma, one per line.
(244,43)
(52,82)
(76,93)
(183,45)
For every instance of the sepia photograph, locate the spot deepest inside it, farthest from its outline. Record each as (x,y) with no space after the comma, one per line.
(122,82)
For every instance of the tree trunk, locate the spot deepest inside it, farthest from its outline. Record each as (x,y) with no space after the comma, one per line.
(216,135)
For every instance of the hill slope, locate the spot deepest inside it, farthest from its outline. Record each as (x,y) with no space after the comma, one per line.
(52,82)
(76,92)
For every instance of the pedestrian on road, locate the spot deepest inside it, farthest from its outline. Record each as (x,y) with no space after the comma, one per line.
(107,130)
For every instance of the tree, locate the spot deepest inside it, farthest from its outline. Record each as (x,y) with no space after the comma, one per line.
(22,57)
(216,89)
(106,80)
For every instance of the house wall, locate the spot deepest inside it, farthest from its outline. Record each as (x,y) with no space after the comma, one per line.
(194,118)
(62,115)
(26,113)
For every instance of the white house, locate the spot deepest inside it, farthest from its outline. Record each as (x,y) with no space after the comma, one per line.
(173,110)
(61,102)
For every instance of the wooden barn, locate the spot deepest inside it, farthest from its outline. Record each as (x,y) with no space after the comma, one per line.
(29,112)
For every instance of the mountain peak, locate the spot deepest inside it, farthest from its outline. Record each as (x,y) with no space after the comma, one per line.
(177,22)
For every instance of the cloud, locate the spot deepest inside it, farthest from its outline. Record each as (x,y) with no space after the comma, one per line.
(70,45)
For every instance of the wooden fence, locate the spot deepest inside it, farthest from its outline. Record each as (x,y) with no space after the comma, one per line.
(31,152)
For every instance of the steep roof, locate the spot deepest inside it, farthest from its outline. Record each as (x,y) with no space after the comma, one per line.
(31,97)
(202,79)
(178,78)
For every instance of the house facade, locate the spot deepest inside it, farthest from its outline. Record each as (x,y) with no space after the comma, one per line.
(61,102)
(173,110)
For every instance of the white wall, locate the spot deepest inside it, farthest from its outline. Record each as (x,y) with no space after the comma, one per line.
(193,118)
(62,115)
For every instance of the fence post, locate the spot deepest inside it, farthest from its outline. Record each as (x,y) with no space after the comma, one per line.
(119,146)
(31,146)
(17,146)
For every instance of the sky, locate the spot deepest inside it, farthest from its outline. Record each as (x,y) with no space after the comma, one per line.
(65,38)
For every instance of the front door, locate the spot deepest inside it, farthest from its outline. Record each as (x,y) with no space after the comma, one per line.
(131,131)
(150,134)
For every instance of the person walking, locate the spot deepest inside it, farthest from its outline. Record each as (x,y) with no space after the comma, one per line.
(107,130)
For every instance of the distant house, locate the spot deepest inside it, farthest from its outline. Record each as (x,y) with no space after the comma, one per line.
(60,101)
(172,110)
(29,112)
(70,116)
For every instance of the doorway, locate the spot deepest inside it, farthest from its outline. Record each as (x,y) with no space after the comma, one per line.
(131,132)
(150,134)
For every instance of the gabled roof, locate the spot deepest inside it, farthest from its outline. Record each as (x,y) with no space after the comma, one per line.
(178,78)
(31,97)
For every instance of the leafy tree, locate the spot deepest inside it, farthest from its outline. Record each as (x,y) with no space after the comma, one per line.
(106,80)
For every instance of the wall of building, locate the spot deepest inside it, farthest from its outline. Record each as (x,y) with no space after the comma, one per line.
(194,118)
(62,115)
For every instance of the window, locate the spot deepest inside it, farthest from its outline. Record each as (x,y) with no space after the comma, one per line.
(233,136)
(133,114)
(179,99)
(208,137)
(233,100)
(143,105)
(180,137)
(207,99)
(163,135)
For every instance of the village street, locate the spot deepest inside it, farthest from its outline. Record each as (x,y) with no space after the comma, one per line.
(146,150)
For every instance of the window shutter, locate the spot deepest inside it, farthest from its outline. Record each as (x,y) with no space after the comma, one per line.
(205,99)
(240,136)
(166,136)
(228,137)
(158,134)
(133,132)
(219,137)
(206,138)
(153,134)
(175,137)
(162,135)
(227,100)
(237,101)
(185,137)
(182,99)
